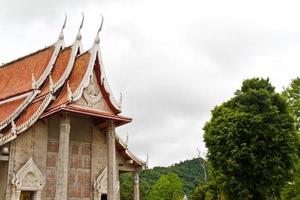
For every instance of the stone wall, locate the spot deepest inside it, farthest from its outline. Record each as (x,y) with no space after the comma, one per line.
(3,178)
(88,156)
(52,156)
(79,181)
(31,143)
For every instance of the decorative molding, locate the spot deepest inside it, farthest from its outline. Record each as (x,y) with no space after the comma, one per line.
(130,154)
(14,131)
(75,48)
(7,137)
(91,94)
(105,84)
(18,111)
(36,115)
(100,183)
(29,178)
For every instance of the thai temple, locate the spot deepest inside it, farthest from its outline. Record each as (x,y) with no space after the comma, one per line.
(58,120)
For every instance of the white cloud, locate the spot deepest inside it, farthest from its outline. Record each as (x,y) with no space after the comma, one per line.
(173,60)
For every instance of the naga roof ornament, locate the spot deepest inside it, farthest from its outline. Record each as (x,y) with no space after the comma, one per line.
(51,85)
(13,127)
(33,83)
(70,95)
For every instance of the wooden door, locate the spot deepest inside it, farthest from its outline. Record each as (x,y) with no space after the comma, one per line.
(26,195)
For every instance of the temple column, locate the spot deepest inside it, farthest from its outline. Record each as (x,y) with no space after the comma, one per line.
(136,186)
(63,158)
(112,162)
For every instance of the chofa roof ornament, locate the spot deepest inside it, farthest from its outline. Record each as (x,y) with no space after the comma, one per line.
(97,40)
(61,35)
(120,100)
(78,37)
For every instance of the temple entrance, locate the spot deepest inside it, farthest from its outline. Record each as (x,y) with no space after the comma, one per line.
(26,195)
(103,197)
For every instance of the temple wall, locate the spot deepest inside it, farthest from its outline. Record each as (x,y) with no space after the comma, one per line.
(99,153)
(30,144)
(79,180)
(52,156)
(88,156)
(3,178)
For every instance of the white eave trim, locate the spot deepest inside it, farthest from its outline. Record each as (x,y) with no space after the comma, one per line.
(17,112)
(75,48)
(57,47)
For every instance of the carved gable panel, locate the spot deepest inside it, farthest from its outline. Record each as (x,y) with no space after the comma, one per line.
(93,98)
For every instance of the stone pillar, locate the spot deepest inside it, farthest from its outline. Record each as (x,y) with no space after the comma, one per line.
(136,186)
(112,162)
(63,158)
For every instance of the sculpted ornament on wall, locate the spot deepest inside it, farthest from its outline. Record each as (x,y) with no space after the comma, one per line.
(100,185)
(28,178)
(91,94)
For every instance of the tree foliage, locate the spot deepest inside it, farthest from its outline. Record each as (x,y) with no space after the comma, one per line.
(292,95)
(252,142)
(190,173)
(291,190)
(205,191)
(168,187)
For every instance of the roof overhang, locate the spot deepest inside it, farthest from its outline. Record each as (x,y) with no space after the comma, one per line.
(118,119)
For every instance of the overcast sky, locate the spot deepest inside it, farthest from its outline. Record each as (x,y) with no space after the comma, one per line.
(172,60)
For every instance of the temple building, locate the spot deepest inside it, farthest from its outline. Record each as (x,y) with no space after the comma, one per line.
(58,120)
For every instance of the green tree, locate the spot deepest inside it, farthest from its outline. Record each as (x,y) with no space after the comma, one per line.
(190,172)
(199,193)
(126,187)
(168,187)
(205,192)
(291,190)
(252,142)
(292,95)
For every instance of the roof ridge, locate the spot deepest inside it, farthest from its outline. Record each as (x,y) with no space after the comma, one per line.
(26,56)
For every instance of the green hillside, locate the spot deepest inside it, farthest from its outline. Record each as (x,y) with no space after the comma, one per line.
(190,172)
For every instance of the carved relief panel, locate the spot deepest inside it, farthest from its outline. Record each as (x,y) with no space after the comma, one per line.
(92,97)
(28,178)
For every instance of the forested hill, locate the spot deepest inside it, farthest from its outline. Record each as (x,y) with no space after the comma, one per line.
(190,172)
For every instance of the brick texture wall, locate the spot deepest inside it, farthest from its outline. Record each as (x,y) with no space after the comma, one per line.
(79,187)
(52,156)
(79,180)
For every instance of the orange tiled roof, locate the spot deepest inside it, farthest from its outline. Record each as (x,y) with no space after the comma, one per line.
(58,69)
(8,108)
(28,112)
(16,77)
(76,76)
